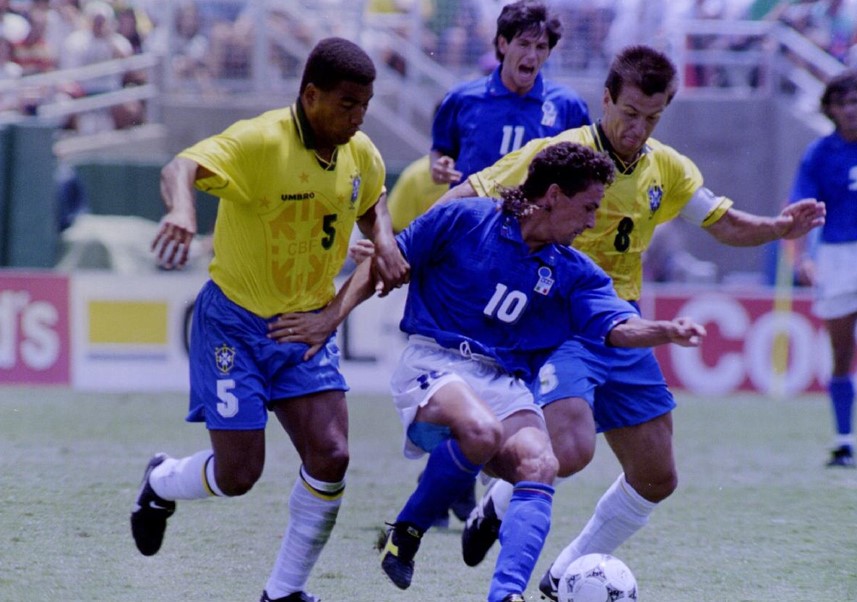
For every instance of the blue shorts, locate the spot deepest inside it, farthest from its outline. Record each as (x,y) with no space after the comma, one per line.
(236,371)
(624,387)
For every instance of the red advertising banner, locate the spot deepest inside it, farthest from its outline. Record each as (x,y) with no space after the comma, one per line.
(34,328)
(756,341)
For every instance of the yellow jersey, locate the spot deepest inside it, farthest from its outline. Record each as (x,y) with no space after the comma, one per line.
(651,191)
(413,193)
(285,217)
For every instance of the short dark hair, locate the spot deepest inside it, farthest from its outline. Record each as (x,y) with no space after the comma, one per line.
(571,166)
(836,88)
(642,67)
(334,60)
(524,16)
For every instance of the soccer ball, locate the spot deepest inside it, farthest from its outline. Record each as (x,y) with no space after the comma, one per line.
(597,578)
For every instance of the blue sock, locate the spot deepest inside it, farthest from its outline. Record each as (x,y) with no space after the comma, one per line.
(522,537)
(447,476)
(842,395)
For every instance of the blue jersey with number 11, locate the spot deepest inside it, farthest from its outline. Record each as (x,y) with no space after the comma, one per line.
(480,121)
(476,285)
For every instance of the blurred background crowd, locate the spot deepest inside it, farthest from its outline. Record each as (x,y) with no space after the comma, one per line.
(209,43)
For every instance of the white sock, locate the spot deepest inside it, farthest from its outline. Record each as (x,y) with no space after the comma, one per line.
(500,492)
(619,514)
(313,507)
(189,478)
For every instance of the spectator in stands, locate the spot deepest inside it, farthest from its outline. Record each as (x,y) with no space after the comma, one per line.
(8,70)
(457,40)
(100,42)
(64,17)
(33,53)
(185,48)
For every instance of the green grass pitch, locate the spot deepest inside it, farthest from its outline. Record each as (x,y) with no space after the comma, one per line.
(756,517)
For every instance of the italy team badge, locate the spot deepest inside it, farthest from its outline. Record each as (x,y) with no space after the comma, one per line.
(545,283)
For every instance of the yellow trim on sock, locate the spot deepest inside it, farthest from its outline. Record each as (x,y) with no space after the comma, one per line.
(205,484)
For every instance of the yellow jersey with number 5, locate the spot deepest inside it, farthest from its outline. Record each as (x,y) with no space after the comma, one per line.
(285,218)
(652,190)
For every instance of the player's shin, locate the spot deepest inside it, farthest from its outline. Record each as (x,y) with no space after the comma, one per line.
(619,514)
(522,537)
(313,507)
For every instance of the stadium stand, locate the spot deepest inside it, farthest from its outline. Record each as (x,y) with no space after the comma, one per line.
(195,66)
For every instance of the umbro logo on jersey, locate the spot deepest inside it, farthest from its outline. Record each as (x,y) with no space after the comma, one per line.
(301,196)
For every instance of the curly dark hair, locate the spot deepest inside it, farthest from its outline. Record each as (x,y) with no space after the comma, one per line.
(642,67)
(573,167)
(335,60)
(525,16)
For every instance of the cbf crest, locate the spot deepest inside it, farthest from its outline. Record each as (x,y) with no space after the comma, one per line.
(224,358)
(656,195)
(355,189)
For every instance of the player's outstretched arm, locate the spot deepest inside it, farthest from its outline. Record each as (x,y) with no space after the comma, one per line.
(741,229)
(639,332)
(314,328)
(178,226)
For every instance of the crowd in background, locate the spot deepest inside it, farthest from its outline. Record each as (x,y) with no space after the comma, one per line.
(208,42)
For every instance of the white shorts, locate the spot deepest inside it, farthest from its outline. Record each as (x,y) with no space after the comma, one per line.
(835,280)
(424,367)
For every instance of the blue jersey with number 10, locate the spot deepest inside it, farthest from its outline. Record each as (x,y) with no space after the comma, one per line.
(476,285)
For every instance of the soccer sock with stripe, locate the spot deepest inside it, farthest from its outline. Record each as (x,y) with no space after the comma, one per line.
(313,507)
(189,478)
(841,390)
(522,537)
(619,514)
(448,474)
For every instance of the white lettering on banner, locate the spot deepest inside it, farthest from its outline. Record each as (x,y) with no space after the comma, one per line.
(809,360)
(728,373)
(802,355)
(37,341)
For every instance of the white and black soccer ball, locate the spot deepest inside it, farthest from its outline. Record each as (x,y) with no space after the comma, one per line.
(597,578)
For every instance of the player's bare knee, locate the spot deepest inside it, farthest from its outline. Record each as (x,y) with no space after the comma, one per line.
(573,458)
(329,465)
(238,482)
(655,489)
(541,467)
(481,439)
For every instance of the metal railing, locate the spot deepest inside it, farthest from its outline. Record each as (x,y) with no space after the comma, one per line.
(715,57)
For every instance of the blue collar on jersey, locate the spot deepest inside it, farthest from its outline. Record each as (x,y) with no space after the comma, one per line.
(497,88)
(511,231)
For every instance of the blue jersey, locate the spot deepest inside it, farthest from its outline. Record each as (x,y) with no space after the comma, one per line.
(476,285)
(828,172)
(480,121)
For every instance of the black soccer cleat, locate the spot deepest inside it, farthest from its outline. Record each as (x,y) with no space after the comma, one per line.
(549,586)
(292,597)
(842,456)
(150,513)
(397,557)
(513,598)
(480,532)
